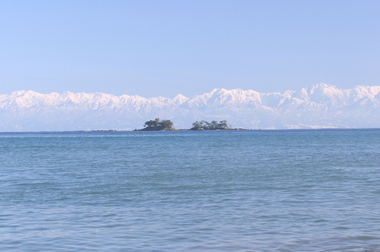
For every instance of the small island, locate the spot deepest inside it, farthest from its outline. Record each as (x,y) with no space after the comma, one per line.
(157,125)
(214,125)
(167,125)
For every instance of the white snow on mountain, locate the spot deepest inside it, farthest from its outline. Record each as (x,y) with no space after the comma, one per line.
(318,106)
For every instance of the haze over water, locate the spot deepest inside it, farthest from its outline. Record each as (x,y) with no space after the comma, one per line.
(308,190)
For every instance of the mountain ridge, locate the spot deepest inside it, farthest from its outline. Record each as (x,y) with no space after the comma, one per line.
(316,106)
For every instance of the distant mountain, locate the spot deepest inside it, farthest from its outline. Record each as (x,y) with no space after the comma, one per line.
(319,106)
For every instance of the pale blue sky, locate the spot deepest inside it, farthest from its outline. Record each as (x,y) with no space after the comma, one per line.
(162,48)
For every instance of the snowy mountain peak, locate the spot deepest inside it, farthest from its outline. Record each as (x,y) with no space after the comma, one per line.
(179,99)
(316,106)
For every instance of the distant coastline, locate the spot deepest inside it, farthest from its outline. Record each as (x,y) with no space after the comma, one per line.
(242,129)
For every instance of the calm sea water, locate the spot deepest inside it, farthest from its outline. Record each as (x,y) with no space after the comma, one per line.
(310,190)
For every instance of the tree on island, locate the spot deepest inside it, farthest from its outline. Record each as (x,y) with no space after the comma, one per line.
(158,125)
(214,125)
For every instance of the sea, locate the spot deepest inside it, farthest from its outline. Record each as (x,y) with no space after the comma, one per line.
(243,190)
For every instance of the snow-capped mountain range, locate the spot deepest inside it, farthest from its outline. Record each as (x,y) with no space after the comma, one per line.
(318,106)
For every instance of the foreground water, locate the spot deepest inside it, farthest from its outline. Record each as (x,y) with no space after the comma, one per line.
(316,190)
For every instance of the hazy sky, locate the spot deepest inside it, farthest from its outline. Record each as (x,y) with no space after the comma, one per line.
(162,48)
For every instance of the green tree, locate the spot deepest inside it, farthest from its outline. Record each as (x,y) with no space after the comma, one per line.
(158,125)
(214,124)
(203,123)
(166,124)
(196,125)
(199,125)
(223,124)
(149,124)
(208,125)
(156,122)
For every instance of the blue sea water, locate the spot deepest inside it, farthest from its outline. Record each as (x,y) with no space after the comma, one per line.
(296,190)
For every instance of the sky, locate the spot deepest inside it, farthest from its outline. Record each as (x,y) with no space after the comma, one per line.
(162,48)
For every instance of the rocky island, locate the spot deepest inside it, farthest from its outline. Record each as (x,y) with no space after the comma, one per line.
(157,125)
(163,125)
(214,125)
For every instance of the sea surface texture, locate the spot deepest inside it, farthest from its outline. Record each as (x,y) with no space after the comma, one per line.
(298,190)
